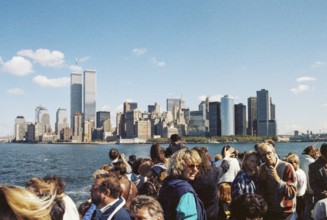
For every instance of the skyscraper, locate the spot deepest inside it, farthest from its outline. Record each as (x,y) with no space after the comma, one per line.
(252,116)
(227,116)
(214,119)
(75,96)
(42,117)
(171,103)
(20,128)
(103,116)
(61,120)
(266,125)
(240,119)
(90,96)
(129,106)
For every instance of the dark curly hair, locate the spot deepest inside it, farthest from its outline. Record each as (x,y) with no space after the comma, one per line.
(248,206)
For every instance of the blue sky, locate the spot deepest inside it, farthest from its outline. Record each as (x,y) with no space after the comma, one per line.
(148,51)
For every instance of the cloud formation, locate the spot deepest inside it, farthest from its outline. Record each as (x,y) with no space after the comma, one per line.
(301,88)
(18,66)
(318,64)
(305,79)
(16,91)
(55,82)
(157,62)
(44,57)
(139,51)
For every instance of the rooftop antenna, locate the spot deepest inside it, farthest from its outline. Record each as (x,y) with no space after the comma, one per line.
(76,62)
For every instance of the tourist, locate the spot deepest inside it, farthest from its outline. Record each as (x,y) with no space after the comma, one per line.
(225,199)
(205,183)
(71,212)
(146,208)
(129,190)
(301,186)
(105,194)
(246,180)
(234,165)
(318,175)
(175,145)
(320,210)
(115,156)
(277,180)
(20,203)
(177,197)
(248,206)
(136,178)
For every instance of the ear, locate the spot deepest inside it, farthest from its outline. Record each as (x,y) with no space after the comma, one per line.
(107,192)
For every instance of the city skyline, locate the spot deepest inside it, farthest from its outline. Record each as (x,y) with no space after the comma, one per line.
(146,52)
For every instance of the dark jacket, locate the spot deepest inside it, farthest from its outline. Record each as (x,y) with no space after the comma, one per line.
(171,192)
(115,212)
(318,179)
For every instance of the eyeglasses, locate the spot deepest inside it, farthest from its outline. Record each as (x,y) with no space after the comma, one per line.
(269,154)
(192,166)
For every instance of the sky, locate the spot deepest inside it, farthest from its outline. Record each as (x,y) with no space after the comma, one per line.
(148,51)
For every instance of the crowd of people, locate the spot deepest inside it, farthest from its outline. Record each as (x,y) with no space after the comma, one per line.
(185,183)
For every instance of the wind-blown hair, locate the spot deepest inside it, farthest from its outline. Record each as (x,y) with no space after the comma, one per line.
(180,160)
(157,154)
(246,157)
(153,206)
(19,203)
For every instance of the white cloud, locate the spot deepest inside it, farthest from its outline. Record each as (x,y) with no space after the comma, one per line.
(44,57)
(305,78)
(76,69)
(83,59)
(18,66)
(157,62)
(55,82)
(318,64)
(139,51)
(1,60)
(16,91)
(301,88)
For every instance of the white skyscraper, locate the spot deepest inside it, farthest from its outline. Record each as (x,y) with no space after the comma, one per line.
(42,117)
(61,120)
(90,96)
(227,116)
(76,94)
(20,128)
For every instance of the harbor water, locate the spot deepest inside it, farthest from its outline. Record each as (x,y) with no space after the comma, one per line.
(75,163)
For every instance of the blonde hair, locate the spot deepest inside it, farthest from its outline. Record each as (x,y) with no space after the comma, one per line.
(19,203)
(246,156)
(181,159)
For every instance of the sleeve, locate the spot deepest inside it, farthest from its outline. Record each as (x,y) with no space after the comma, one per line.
(89,213)
(237,186)
(288,182)
(186,208)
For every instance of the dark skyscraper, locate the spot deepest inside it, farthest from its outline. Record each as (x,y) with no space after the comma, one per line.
(252,116)
(129,106)
(102,116)
(240,119)
(75,96)
(214,119)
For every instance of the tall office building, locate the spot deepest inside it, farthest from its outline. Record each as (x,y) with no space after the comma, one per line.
(266,125)
(20,128)
(129,106)
(89,100)
(76,82)
(227,116)
(240,119)
(102,117)
(154,108)
(77,127)
(252,116)
(42,117)
(214,119)
(174,103)
(61,120)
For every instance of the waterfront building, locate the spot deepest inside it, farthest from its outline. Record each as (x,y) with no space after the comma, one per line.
(78,127)
(168,131)
(129,106)
(88,128)
(214,119)
(66,134)
(197,125)
(20,128)
(61,120)
(204,107)
(131,117)
(42,116)
(76,86)
(89,100)
(265,124)
(30,135)
(227,116)
(252,116)
(240,119)
(103,117)
(143,129)
(171,103)
(120,125)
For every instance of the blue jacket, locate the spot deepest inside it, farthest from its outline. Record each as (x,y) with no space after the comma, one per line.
(115,212)
(171,192)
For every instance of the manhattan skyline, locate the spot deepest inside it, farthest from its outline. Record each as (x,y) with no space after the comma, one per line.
(146,52)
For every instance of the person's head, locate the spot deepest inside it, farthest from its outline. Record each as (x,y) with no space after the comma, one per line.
(157,154)
(58,181)
(145,168)
(99,173)
(174,138)
(105,189)
(136,165)
(267,153)
(312,151)
(323,151)
(40,188)
(234,154)
(250,161)
(82,208)
(224,191)
(120,168)
(184,164)
(205,165)
(248,207)
(294,160)
(149,188)
(107,168)
(19,203)
(58,209)
(218,157)
(113,154)
(146,208)
(159,172)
